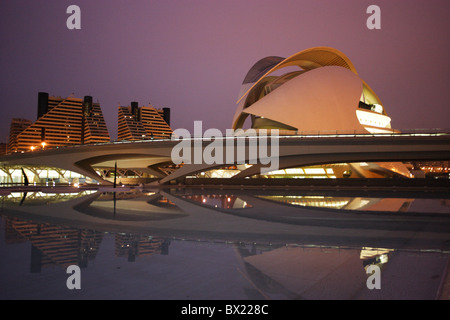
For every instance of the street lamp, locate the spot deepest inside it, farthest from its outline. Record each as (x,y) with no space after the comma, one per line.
(32,148)
(43,145)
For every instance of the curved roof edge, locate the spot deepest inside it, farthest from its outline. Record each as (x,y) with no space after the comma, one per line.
(295,59)
(261,67)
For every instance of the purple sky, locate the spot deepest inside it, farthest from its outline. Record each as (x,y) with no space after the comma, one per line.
(192,55)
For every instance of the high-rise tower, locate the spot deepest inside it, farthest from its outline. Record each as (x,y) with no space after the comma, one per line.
(16,127)
(62,122)
(143,123)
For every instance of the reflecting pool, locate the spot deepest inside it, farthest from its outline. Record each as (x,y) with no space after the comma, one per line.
(231,244)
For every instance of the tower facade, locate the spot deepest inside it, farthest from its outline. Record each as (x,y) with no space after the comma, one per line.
(143,123)
(16,127)
(62,122)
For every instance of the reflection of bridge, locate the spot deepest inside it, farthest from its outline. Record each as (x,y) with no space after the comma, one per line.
(294,151)
(262,220)
(283,250)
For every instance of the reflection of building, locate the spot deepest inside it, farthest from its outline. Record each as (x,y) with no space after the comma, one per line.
(374,256)
(141,123)
(307,272)
(53,244)
(311,271)
(131,206)
(438,169)
(344,203)
(134,246)
(39,197)
(61,122)
(219,201)
(63,246)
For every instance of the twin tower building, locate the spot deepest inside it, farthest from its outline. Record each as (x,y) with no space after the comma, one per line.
(74,121)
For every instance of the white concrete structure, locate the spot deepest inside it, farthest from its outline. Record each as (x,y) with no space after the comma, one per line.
(294,152)
(323,93)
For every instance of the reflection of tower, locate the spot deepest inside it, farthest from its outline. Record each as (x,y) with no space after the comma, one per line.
(53,244)
(133,246)
(36,260)
(89,242)
(165,247)
(132,251)
(374,256)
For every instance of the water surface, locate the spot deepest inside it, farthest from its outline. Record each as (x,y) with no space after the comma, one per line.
(230,244)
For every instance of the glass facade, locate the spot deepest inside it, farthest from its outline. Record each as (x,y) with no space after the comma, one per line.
(42,176)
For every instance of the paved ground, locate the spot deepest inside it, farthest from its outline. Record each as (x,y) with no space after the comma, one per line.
(444,293)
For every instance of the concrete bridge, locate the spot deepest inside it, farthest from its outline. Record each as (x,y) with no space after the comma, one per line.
(290,151)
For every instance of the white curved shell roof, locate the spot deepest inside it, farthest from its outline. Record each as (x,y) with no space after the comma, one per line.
(323,95)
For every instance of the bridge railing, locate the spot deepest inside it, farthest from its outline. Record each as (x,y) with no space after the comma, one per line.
(296,134)
(386,133)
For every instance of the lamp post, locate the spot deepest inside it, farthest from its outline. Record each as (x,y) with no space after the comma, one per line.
(43,145)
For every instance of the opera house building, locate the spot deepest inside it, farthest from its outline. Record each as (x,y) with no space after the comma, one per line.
(315,91)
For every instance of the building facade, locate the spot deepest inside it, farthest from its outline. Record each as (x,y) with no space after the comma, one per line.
(317,90)
(60,122)
(16,127)
(143,123)
(3,148)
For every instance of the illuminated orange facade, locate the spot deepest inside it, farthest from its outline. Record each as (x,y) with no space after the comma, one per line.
(143,123)
(61,122)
